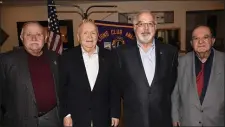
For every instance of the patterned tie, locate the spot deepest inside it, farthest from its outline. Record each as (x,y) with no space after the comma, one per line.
(200,80)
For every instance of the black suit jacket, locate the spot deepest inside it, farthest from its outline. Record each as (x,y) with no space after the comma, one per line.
(1,94)
(18,95)
(144,105)
(84,105)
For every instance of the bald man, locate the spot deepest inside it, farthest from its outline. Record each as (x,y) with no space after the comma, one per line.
(30,82)
(198,97)
(90,98)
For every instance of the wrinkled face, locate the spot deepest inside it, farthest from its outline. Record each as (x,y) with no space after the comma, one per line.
(145,28)
(33,37)
(88,35)
(202,39)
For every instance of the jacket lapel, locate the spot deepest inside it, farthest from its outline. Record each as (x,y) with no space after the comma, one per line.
(193,85)
(135,65)
(158,56)
(101,68)
(215,74)
(82,67)
(23,65)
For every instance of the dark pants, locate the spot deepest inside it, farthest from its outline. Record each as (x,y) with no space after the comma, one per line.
(50,119)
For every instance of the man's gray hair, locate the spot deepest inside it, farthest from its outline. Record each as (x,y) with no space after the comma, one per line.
(31,22)
(135,17)
(86,21)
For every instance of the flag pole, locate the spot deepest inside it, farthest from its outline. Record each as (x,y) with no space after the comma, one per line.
(65,5)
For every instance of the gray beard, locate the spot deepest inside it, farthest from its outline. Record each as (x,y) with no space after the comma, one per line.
(144,42)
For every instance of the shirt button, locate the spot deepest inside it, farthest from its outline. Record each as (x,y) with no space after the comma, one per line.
(200,122)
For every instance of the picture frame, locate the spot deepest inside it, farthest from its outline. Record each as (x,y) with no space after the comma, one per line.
(162,17)
(66,29)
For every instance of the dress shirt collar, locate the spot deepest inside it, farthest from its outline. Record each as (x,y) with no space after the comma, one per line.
(153,45)
(95,52)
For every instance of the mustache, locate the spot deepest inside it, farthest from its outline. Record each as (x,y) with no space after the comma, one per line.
(146,33)
(34,42)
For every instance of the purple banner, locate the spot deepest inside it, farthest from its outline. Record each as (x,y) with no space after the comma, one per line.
(114,34)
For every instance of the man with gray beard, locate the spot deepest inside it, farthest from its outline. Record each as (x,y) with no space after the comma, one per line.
(147,74)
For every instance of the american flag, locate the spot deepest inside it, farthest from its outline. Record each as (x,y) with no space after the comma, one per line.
(54,39)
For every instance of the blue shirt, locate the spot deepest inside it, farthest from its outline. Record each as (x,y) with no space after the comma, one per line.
(148,60)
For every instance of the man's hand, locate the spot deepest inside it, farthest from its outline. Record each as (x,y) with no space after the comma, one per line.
(67,121)
(115,122)
(176,124)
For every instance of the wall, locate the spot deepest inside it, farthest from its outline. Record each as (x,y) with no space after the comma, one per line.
(0,26)
(0,13)
(13,14)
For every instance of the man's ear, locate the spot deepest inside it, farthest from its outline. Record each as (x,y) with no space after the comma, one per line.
(46,38)
(78,38)
(134,27)
(155,25)
(213,41)
(191,42)
(46,35)
(21,37)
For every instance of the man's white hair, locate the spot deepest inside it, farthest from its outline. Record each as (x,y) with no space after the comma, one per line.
(136,16)
(86,21)
(31,22)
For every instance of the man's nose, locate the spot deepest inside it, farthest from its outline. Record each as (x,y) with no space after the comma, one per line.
(146,27)
(33,37)
(201,40)
(89,35)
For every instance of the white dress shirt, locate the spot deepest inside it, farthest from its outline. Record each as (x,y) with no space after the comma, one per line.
(148,60)
(92,66)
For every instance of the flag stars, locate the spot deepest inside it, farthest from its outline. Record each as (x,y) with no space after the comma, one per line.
(53,25)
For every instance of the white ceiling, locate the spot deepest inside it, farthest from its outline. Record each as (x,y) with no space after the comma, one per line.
(41,2)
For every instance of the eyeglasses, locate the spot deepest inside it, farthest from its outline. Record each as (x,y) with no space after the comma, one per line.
(38,36)
(142,24)
(205,38)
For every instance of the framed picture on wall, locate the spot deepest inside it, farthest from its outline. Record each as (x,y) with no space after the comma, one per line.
(66,29)
(162,17)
